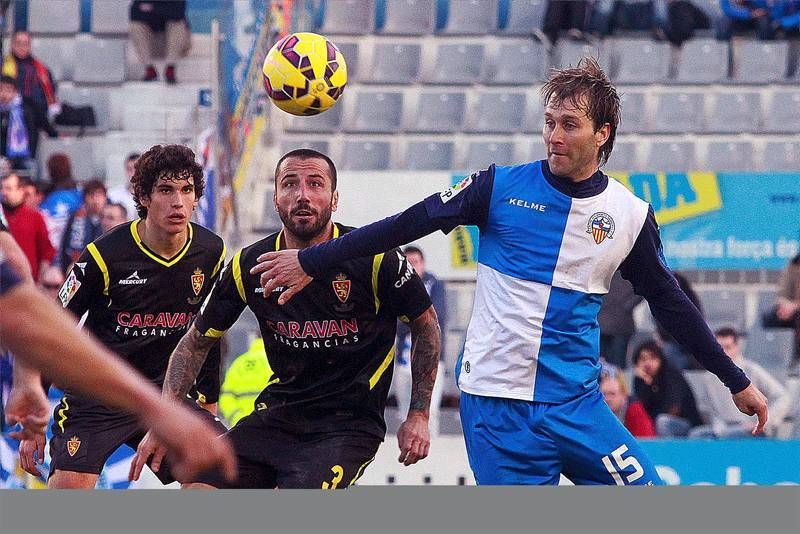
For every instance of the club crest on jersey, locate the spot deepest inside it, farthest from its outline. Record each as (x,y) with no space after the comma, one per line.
(341,286)
(601,226)
(197,281)
(73,444)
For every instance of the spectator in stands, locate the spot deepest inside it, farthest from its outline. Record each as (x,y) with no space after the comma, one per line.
(788,307)
(401,383)
(167,17)
(664,392)
(27,226)
(123,193)
(18,133)
(34,81)
(570,16)
(35,191)
(616,321)
(64,197)
(114,214)
(609,16)
(628,410)
(675,354)
(84,226)
(726,423)
(766,17)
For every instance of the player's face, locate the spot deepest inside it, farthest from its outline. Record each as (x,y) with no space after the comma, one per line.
(612,393)
(304,196)
(649,363)
(571,140)
(730,346)
(170,204)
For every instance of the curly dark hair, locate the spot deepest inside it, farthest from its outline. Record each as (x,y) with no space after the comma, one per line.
(175,160)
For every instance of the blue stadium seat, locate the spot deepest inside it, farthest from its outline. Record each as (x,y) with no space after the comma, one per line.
(726,307)
(671,156)
(348,17)
(624,156)
(408,17)
(634,116)
(330,121)
(58,53)
(456,64)
(736,113)
(641,61)
(469,17)
(79,149)
(703,61)
(54,16)
(482,153)
(394,63)
(349,50)
(101,60)
(367,155)
(429,155)
(784,112)
(518,62)
(439,111)
(770,348)
(569,52)
(320,144)
(782,156)
(760,62)
(376,111)
(494,112)
(679,112)
(730,156)
(110,16)
(533,149)
(523,16)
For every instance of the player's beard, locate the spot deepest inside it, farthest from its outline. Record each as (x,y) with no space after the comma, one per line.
(306,231)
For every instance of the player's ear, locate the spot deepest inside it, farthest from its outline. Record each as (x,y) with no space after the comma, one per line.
(602,134)
(334,201)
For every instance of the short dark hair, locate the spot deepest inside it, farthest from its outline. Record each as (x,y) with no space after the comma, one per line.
(133,156)
(90,186)
(411,249)
(59,168)
(7,78)
(164,159)
(602,104)
(728,331)
(308,153)
(119,206)
(649,346)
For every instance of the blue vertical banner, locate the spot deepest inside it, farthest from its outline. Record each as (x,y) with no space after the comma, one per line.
(206,154)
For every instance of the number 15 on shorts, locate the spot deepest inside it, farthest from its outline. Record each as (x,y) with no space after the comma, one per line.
(616,462)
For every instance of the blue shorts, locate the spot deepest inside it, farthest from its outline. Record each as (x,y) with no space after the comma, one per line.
(522,442)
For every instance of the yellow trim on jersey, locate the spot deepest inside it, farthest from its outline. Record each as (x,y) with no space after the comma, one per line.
(154,257)
(387,361)
(360,471)
(335,231)
(214,333)
(237,275)
(92,248)
(376,267)
(278,241)
(62,413)
(221,260)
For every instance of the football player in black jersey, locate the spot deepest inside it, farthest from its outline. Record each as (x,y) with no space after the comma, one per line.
(320,420)
(142,284)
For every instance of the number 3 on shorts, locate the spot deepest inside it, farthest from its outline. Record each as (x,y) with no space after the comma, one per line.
(338,473)
(621,464)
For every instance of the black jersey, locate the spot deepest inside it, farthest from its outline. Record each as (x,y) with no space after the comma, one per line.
(140,304)
(331,347)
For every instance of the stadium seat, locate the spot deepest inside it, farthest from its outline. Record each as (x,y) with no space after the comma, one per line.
(456,64)
(375,111)
(54,16)
(518,62)
(730,156)
(481,154)
(469,17)
(349,50)
(101,60)
(367,155)
(110,16)
(709,7)
(534,116)
(79,149)
(394,63)
(497,113)
(784,112)
(671,156)
(408,17)
(782,156)
(348,17)
(292,143)
(679,112)
(330,121)
(726,307)
(641,60)
(97,97)
(623,157)
(634,117)
(703,61)
(569,52)
(532,149)
(760,62)
(736,113)
(429,155)
(770,348)
(524,16)
(58,53)
(439,111)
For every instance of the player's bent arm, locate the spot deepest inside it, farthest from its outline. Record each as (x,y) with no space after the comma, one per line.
(185,362)
(14,256)
(426,341)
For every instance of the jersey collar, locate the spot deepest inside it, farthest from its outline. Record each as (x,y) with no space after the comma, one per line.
(280,235)
(166,262)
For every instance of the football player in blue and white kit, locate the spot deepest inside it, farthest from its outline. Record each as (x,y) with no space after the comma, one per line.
(552,234)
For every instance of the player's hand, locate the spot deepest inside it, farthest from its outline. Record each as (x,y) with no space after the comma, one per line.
(414,438)
(27,448)
(27,406)
(149,446)
(281,269)
(751,401)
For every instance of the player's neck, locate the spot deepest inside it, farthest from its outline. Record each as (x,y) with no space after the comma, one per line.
(292,241)
(165,244)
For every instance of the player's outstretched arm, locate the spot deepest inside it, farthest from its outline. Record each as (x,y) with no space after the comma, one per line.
(413,437)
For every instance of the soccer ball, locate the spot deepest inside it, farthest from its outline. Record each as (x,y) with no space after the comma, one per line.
(304,74)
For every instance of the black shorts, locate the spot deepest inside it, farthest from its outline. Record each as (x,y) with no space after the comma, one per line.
(85,434)
(271,457)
